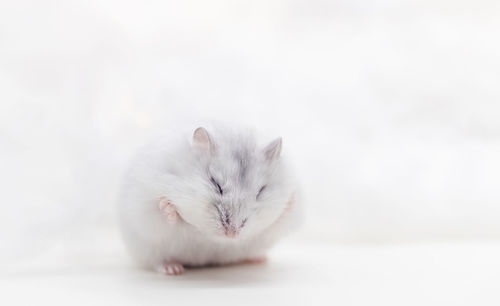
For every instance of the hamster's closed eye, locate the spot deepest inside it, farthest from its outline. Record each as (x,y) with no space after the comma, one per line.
(216,185)
(260,191)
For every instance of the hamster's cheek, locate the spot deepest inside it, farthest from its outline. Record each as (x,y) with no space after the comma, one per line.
(201,218)
(274,214)
(261,220)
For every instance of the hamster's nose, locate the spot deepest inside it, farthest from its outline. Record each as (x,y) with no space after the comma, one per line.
(231,231)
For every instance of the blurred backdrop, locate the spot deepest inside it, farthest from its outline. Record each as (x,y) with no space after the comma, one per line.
(389,109)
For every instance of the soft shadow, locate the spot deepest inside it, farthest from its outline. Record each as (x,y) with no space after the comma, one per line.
(241,275)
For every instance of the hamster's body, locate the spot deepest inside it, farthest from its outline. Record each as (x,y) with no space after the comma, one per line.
(220,198)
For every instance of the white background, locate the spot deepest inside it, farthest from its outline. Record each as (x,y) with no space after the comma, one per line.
(389,111)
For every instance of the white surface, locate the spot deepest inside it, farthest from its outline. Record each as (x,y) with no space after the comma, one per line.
(419,274)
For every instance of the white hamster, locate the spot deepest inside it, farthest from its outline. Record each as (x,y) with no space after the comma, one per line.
(207,197)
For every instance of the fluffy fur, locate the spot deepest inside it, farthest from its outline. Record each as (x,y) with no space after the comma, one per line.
(206,197)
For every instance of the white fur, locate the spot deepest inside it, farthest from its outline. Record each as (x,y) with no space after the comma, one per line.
(175,168)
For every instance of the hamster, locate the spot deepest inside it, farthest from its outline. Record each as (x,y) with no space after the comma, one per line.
(211,196)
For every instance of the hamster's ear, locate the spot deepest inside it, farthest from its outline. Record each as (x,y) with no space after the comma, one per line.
(201,140)
(273,150)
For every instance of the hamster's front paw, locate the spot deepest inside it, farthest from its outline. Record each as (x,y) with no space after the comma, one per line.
(255,260)
(171,268)
(168,210)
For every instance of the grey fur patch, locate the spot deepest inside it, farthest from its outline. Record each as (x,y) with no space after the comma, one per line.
(242,158)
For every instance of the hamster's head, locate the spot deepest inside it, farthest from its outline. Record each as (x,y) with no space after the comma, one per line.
(241,188)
